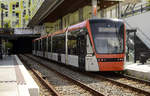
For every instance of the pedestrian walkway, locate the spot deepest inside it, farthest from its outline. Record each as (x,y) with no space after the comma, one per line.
(138,70)
(13,81)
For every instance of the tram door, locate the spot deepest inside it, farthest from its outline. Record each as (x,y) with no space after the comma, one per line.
(81,50)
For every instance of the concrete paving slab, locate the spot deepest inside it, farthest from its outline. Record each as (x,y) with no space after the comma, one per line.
(23,90)
(8,89)
(7,61)
(7,74)
(138,70)
(15,79)
(31,84)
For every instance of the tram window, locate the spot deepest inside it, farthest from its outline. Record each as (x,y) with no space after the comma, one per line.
(40,45)
(49,44)
(32,45)
(36,45)
(72,45)
(54,45)
(59,44)
(77,42)
(81,45)
(44,44)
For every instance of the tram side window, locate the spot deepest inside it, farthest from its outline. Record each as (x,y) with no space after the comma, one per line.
(72,45)
(40,45)
(33,48)
(54,45)
(81,45)
(59,44)
(37,42)
(44,44)
(36,45)
(49,44)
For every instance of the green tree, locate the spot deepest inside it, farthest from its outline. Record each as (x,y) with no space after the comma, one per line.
(8,45)
(7,25)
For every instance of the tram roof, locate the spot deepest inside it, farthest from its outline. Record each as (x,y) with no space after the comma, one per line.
(74,27)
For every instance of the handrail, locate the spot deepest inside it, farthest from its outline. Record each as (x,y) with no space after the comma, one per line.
(137,29)
(143,33)
(137,9)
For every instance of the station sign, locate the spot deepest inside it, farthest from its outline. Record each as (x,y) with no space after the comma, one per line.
(23,31)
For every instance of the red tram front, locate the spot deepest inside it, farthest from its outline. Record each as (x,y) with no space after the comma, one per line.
(108,42)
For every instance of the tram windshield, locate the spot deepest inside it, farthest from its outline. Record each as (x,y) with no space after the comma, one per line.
(108,36)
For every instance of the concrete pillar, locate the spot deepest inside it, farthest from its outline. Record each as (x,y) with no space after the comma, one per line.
(94,8)
(81,14)
(102,13)
(101,9)
(61,23)
(119,10)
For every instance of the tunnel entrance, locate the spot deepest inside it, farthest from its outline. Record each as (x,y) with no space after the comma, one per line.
(21,43)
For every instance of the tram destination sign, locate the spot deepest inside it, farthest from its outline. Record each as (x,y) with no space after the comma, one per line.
(105,29)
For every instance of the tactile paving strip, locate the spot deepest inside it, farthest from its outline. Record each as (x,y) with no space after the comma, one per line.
(19,77)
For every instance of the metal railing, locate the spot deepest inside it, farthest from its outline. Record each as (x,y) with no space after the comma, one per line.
(138,29)
(137,10)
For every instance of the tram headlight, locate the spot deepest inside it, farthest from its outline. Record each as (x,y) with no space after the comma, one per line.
(100,60)
(121,59)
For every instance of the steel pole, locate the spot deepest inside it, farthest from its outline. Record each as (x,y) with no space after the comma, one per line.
(94,8)
(2,21)
(134,47)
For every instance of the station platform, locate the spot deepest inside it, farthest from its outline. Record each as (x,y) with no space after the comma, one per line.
(15,79)
(138,70)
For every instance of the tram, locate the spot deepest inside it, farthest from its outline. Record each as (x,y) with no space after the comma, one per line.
(92,45)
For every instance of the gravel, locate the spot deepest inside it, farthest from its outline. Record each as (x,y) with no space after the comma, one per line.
(105,87)
(63,86)
(43,90)
(136,84)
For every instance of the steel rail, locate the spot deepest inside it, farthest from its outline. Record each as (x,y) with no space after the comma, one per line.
(119,83)
(43,81)
(136,79)
(82,85)
(100,77)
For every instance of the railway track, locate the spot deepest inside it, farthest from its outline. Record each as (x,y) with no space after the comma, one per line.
(76,87)
(131,81)
(46,89)
(127,82)
(116,88)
